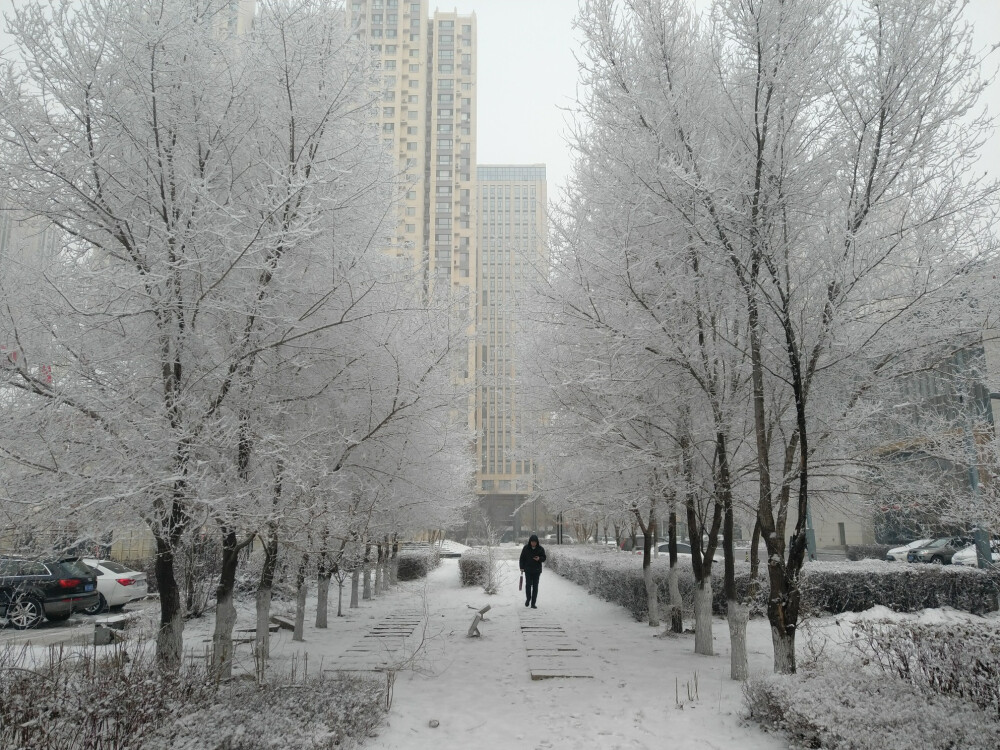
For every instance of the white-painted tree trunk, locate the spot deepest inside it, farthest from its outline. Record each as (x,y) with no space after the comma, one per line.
(355,580)
(170,642)
(652,600)
(784,652)
(262,638)
(378,578)
(222,638)
(300,612)
(676,602)
(366,592)
(738,616)
(703,618)
(322,598)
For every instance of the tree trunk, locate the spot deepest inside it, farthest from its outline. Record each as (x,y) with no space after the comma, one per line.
(322,596)
(703,617)
(300,599)
(393,568)
(784,651)
(676,602)
(225,609)
(378,571)
(262,638)
(652,600)
(340,595)
(366,589)
(170,636)
(738,613)
(355,579)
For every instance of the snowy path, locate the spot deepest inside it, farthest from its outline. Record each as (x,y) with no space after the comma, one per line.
(481,692)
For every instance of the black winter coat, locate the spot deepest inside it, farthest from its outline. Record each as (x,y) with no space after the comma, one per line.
(527,563)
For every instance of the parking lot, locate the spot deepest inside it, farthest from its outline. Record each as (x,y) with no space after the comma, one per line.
(77,630)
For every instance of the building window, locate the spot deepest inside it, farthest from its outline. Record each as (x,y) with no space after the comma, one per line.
(411,146)
(411,228)
(388,111)
(446,68)
(414,67)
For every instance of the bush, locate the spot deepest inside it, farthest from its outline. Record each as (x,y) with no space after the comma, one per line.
(321,714)
(416,562)
(957,659)
(867,551)
(97,699)
(844,708)
(826,587)
(473,566)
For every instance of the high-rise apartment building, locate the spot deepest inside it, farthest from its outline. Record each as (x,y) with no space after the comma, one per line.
(428,116)
(511,205)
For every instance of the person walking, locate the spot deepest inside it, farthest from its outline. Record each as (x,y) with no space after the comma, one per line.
(532,557)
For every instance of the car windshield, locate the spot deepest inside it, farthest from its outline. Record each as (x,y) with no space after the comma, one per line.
(938,543)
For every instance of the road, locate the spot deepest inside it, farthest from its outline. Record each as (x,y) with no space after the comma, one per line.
(77,630)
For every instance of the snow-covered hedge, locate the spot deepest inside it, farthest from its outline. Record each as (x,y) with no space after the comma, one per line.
(323,714)
(832,587)
(868,551)
(956,659)
(416,562)
(473,566)
(108,699)
(845,708)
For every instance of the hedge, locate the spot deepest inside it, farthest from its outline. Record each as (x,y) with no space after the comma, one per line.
(414,563)
(827,587)
(472,567)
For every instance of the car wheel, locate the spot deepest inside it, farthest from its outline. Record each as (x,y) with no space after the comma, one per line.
(937,560)
(97,608)
(24,613)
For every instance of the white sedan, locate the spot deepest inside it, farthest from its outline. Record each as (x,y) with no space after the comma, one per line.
(116,585)
(969,557)
(899,553)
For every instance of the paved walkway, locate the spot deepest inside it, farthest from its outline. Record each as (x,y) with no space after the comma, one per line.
(480,693)
(387,645)
(551,654)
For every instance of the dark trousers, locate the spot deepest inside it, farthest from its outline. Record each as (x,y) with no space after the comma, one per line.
(531,587)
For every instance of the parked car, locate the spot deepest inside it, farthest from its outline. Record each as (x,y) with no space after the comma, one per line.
(970,557)
(940,551)
(33,590)
(117,585)
(551,539)
(663,548)
(899,553)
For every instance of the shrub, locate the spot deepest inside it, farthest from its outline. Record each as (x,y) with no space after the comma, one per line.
(416,562)
(844,708)
(322,714)
(97,699)
(867,551)
(472,567)
(957,659)
(826,587)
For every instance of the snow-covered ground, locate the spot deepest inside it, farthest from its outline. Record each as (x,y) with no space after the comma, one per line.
(648,691)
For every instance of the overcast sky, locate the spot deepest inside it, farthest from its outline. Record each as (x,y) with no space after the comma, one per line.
(528,77)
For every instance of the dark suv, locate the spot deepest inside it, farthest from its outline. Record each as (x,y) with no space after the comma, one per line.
(31,590)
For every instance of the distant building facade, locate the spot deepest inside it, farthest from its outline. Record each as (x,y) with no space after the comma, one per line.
(511,203)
